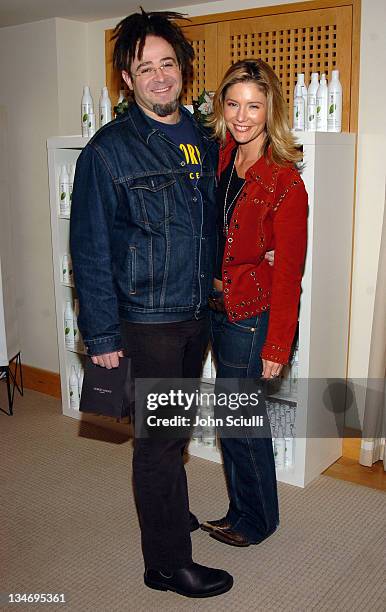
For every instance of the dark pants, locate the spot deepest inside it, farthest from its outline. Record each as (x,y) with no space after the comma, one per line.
(164,350)
(248,461)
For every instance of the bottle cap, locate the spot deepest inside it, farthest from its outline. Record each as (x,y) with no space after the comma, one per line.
(335,74)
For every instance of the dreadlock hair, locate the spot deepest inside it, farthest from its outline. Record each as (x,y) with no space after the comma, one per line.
(131,32)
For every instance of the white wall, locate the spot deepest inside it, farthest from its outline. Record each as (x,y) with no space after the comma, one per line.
(72,74)
(370,196)
(371,180)
(42,79)
(9,333)
(29,95)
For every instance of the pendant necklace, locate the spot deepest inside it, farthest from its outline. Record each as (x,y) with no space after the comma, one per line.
(228,206)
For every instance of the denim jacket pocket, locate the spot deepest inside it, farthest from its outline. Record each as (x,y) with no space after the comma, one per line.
(153,199)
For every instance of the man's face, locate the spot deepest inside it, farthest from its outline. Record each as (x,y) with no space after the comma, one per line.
(156,91)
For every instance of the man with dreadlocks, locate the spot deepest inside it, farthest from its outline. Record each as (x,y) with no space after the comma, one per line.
(143,246)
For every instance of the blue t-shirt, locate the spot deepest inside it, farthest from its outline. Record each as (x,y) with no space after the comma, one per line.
(184,136)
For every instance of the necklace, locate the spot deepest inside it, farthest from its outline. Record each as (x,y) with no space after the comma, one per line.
(228,206)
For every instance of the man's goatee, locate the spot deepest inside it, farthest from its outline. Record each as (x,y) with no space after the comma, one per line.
(163,110)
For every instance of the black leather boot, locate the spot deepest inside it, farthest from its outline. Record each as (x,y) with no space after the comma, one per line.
(193,522)
(193,581)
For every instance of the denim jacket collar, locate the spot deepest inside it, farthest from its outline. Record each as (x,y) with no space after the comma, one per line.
(145,130)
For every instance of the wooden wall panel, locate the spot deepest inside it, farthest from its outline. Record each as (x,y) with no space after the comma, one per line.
(41,380)
(204,75)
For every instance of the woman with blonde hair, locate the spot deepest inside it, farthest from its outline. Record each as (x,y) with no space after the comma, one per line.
(262,206)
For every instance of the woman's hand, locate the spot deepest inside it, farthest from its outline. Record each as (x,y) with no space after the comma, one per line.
(271,369)
(270,257)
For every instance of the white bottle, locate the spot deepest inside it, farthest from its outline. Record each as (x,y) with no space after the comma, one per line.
(197,433)
(334,120)
(77,338)
(292,417)
(91,124)
(64,192)
(74,389)
(322,105)
(280,449)
(303,90)
(104,107)
(294,379)
(300,91)
(67,269)
(88,115)
(288,452)
(72,177)
(80,380)
(299,112)
(288,440)
(311,102)
(69,325)
(208,430)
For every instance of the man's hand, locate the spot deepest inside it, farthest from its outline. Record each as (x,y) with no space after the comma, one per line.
(270,257)
(107,360)
(271,369)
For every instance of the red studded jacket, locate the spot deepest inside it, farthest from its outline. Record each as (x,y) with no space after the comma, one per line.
(270,213)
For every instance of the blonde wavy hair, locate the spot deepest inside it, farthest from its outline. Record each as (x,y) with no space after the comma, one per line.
(279,139)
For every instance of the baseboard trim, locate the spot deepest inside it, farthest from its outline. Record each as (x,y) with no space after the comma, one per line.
(42,380)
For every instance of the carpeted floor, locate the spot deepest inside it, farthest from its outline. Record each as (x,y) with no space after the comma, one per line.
(68,525)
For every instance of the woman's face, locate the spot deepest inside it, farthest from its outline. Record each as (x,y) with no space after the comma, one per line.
(245,112)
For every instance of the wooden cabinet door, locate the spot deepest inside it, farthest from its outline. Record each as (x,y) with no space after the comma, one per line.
(204,74)
(304,41)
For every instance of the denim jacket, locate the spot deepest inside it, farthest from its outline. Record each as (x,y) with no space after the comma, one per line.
(142,238)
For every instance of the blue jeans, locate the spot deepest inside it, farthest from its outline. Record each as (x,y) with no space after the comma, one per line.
(248,461)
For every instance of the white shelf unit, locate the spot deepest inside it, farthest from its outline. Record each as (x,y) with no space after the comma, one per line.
(324,311)
(62,150)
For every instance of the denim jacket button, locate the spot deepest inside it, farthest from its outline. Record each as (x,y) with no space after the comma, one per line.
(183,163)
(194,199)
